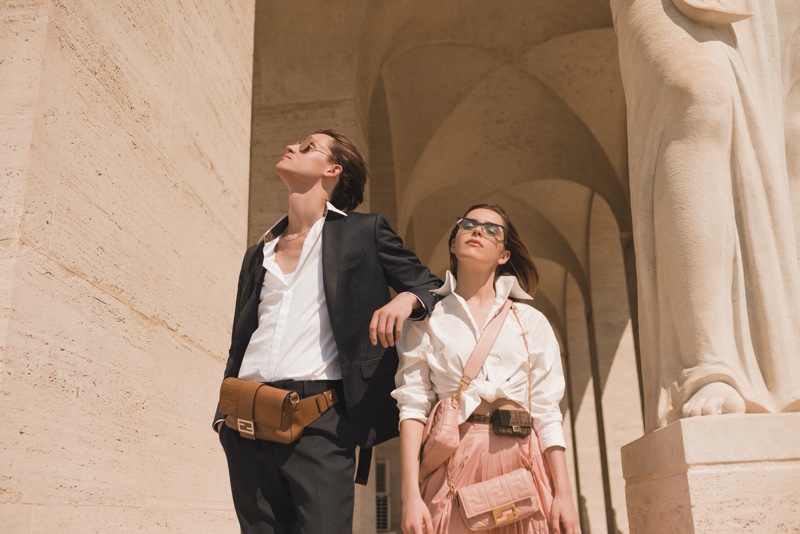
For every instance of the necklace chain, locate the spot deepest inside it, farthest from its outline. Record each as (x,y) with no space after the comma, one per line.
(298,236)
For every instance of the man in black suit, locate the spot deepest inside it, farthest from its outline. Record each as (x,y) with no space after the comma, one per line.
(314,313)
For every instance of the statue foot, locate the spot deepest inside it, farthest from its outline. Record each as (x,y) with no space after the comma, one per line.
(714,398)
(793,406)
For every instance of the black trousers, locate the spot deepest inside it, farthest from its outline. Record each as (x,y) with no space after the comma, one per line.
(301,487)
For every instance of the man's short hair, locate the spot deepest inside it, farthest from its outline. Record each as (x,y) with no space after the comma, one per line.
(349,191)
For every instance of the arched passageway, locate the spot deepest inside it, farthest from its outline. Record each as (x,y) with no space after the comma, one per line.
(459,103)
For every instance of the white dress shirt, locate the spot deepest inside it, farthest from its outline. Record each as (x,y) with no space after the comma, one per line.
(294,339)
(433,354)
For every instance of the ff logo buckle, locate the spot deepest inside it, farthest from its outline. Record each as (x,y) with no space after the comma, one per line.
(246,428)
(504,514)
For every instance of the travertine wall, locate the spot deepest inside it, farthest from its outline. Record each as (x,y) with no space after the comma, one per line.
(124,157)
(304,65)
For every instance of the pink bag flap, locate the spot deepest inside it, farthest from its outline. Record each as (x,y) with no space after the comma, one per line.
(442,422)
(486,496)
(440,437)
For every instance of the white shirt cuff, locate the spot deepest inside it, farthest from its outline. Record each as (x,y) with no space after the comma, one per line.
(413,412)
(551,435)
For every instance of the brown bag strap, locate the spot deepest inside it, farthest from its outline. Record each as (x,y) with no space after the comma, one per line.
(482,348)
(312,407)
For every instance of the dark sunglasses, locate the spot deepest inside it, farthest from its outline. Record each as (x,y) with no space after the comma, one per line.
(309,144)
(489,228)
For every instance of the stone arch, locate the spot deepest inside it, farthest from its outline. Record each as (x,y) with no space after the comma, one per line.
(512,122)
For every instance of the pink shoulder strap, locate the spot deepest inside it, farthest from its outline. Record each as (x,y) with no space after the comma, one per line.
(484,345)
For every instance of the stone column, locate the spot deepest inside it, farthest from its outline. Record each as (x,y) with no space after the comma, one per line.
(723,473)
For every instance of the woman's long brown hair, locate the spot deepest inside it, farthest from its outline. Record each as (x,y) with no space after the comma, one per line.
(520,264)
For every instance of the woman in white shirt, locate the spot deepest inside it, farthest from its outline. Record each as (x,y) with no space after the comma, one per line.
(488,264)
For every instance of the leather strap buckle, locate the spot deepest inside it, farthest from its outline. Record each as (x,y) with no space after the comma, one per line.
(325,400)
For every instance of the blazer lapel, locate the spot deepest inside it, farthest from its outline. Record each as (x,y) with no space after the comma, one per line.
(332,240)
(255,281)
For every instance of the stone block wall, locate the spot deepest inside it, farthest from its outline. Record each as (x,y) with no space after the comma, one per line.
(124,170)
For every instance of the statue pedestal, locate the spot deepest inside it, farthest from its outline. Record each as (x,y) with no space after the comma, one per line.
(720,473)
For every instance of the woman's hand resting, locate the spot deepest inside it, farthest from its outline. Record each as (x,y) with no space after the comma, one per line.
(416,516)
(563,516)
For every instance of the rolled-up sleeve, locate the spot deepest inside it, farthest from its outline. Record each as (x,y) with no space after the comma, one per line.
(547,382)
(414,393)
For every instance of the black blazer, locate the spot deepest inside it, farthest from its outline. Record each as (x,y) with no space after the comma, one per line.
(361,258)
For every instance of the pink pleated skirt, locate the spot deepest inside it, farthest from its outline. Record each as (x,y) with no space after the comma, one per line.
(482,455)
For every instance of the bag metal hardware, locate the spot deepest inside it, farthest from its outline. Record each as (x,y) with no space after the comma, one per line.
(246,427)
(505,514)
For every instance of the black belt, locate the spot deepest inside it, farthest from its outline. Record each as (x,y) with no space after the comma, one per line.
(307,388)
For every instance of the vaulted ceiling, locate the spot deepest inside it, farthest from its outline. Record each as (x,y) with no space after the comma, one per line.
(518,103)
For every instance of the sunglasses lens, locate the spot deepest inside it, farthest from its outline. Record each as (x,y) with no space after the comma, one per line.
(489,229)
(305,144)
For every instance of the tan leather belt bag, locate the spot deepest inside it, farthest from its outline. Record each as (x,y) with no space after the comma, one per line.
(259,411)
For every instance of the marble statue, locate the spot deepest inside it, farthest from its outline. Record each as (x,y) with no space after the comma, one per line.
(717,263)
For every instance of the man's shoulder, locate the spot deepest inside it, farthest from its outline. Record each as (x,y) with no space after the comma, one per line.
(253,250)
(366,222)
(363,217)
(254,247)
